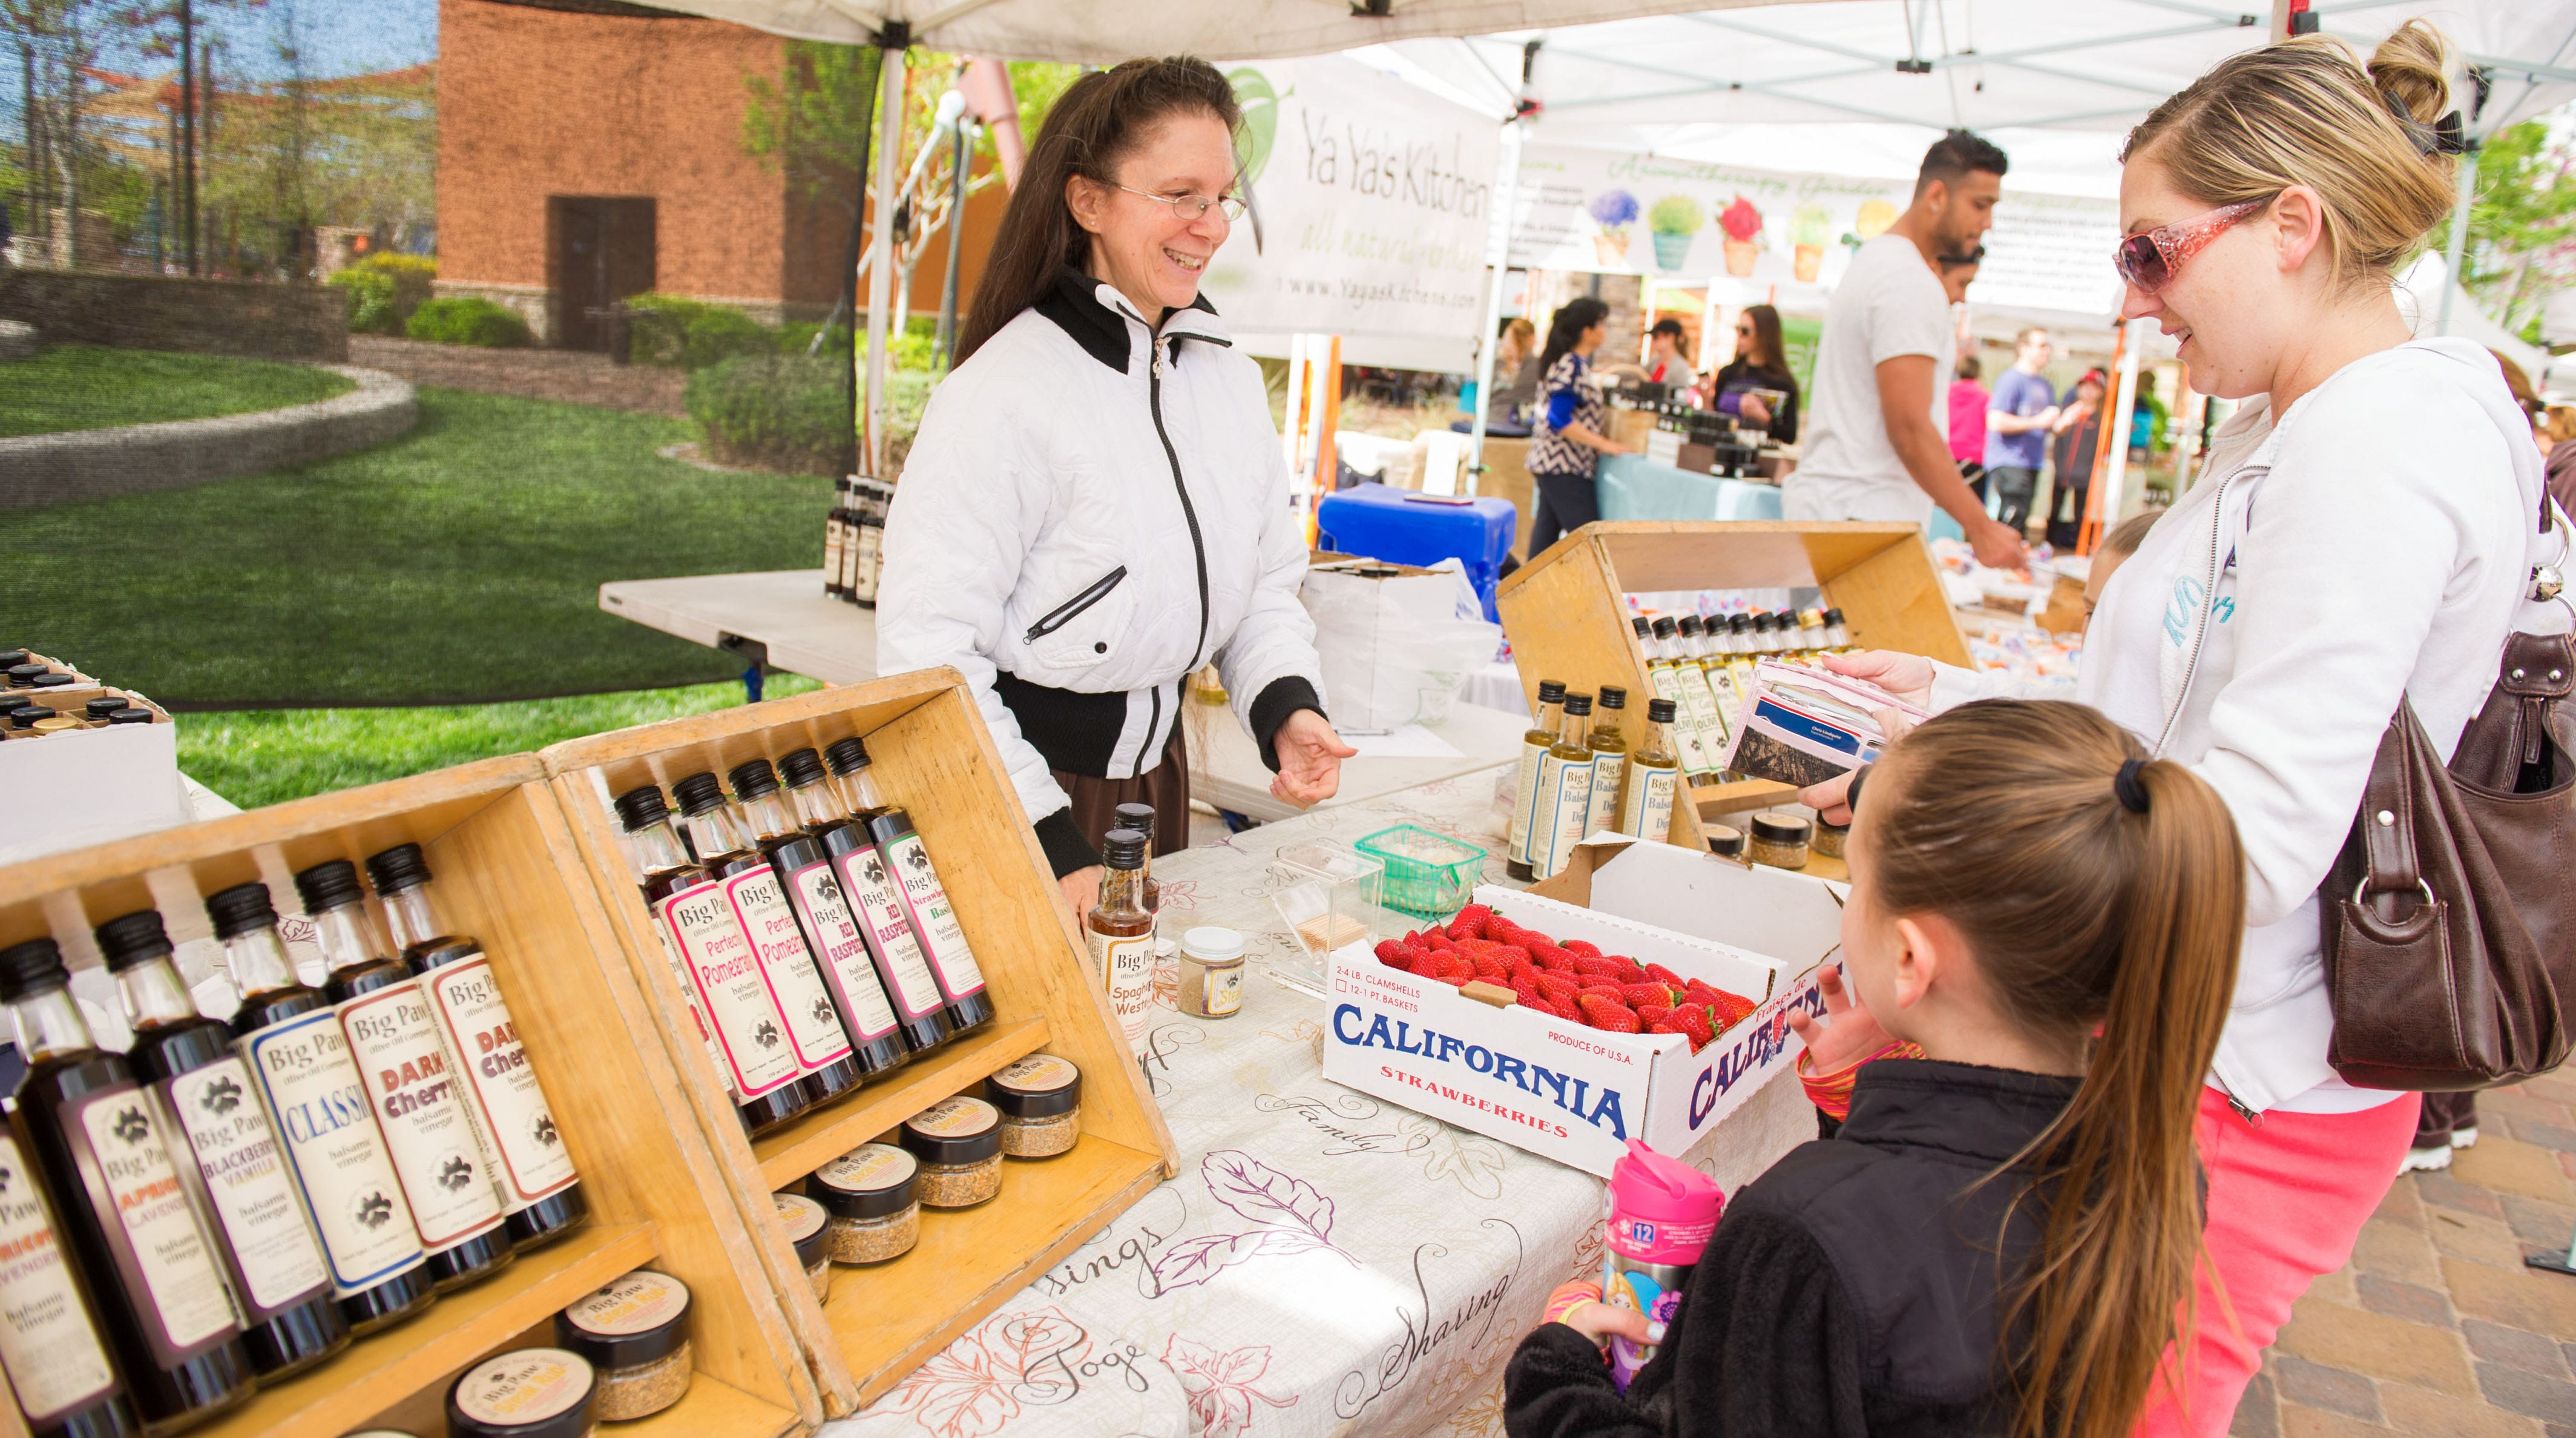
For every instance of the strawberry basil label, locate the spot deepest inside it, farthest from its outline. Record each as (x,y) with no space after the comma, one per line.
(816,892)
(475,1021)
(878,903)
(934,918)
(813,1027)
(436,1150)
(48,1339)
(276,1260)
(150,1226)
(728,983)
(333,1146)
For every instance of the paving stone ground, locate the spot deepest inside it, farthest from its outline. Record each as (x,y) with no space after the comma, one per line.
(2436,1327)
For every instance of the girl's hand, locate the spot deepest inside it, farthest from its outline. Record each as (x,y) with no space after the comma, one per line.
(1846,1034)
(1310,760)
(1578,1306)
(1752,408)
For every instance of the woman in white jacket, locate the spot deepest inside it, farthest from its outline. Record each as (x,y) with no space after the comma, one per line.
(1096,504)
(2365,536)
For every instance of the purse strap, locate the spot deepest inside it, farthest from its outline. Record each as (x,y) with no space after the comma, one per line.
(2387,819)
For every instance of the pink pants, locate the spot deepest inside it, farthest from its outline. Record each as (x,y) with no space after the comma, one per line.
(2287,1198)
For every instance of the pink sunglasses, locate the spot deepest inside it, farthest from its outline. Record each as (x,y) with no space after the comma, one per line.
(2151,259)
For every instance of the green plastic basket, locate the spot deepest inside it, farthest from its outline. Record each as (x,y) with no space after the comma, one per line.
(1428,874)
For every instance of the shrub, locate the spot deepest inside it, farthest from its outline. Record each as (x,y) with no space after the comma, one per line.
(384,289)
(771,411)
(467,320)
(692,334)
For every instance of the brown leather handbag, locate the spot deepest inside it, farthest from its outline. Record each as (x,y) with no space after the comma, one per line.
(2450,916)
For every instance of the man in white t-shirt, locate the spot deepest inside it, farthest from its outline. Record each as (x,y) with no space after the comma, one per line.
(1874,446)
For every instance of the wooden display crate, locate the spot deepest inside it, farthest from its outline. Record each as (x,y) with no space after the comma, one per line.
(1566,612)
(508,872)
(932,756)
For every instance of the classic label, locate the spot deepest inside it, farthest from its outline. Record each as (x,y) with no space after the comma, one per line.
(689,996)
(1565,801)
(320,1104)
(934,918)
(718,963)
(868,1168)
(1647,812)
(475,1021)
(638,1302)
(813,1027)
(524,1387)
(1525,786)
(48,1337)
(152,1228)
(277,1262)
(897,953)
(1607,766)
(439,1156)
(816,892)
(1126,968)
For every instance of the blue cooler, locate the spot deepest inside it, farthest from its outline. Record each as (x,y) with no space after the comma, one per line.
(1403,526)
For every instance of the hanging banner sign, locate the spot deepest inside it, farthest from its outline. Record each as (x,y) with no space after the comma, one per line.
(1370,206)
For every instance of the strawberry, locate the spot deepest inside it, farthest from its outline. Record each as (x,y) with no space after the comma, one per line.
(1696,992)
(1692,1020)
(1596,967)
(1391,953)
(1471,922)
(1585,947)
(1663,975)
(1607,990)
(1637,996)
(1551,958)
(1518,966)
(1557,988)
(1606,1014)
(1434,939)
(1512,954)
(1730,1010)
(1489,968)
(1629,973)
(1652,1016)
(1456,969)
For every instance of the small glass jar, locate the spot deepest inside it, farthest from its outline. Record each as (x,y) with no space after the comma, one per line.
(1829,839)
(869,1193)
(1040,1100)
(528,1393)
(634,1333)
(1211,972)
(1726,841)
(959,1143)
(807,1228)
(1779,840)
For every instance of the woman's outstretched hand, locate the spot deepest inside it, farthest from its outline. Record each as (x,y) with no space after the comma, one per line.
(1846,1034)
(1310,760)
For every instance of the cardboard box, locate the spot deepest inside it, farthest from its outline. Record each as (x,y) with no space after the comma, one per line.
(1573,1093)
(90,785)
(1395,641)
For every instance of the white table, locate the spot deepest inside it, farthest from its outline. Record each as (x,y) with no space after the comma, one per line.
(1226,770)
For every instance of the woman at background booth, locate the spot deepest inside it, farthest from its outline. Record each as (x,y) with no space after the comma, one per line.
(1096,504)
(1760,363)
(1566,438)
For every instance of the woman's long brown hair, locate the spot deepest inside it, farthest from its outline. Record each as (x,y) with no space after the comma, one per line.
(2003,818)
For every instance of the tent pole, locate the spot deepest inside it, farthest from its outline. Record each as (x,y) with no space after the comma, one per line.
(881,244)
(1499,252)
(2457,247)
(2105,504)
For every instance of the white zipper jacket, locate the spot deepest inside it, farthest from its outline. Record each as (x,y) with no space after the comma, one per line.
(2374,545)
(1090,512)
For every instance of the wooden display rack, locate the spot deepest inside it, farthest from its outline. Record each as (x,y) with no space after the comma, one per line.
(509,873)
(1566,612)
(932,756)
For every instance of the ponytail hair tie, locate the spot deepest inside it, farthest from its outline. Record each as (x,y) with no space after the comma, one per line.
(2445,136)
(2131,790)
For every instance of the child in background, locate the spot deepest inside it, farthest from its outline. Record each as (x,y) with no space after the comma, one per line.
(2002,1239)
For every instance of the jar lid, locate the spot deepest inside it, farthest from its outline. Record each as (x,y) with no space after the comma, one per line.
(52,681)
(1039,1086)
(954,1130)
(803,1218)
(530,1393)
(1726,841)
(870,1181)
(1773,827)
(1827,826)
(631,1320)
(1212,944)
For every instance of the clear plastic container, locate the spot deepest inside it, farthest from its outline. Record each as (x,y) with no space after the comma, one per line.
(1428,874)
(1327,897)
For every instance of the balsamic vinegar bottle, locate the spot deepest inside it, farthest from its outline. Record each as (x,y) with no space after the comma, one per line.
(439,1151)
(713,961)
(233,1164)
(58,1363)
(934,918)
(317,1102)
(831,931)
(751,890)
(539,1189)
(839,817)
(111,1180)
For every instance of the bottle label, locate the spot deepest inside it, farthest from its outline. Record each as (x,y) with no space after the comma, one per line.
(1697,711)
(1686,740)
(1565,794)
(475,1021)
(1126,966)
(1712,714)
(871,541)
(813,1026)
(446,1175)
(934,918)
(1525,789)
(898,954)
(276,1260)
(1607,767)
(152,1229)
(697,1011)
(834,539)
(816,891)
(1647,811)
(320,1104)
(48,1338)
(1721,684)
(721,969)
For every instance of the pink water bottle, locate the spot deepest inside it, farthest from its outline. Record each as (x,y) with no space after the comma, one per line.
(1662,1212)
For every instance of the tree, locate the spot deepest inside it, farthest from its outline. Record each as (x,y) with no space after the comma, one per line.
(2522,226)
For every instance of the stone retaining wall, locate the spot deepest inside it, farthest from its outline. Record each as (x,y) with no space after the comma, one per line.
(226,317)
(134,459)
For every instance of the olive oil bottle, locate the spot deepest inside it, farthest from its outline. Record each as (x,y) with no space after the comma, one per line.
(1535,743)
(1654,776)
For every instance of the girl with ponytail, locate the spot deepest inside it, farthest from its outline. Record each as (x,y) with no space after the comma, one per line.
(2002,1235)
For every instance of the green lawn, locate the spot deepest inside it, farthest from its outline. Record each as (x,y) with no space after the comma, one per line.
(93,387)
(267,756)
(460,563)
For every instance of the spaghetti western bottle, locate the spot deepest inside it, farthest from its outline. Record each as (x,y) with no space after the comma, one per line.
(934,920)
(839,817)
(50,1340)
(317,1102)
(831,929)
(539,1189)
(1646,800)
(227,1153)
(115,1189)
(1534,743)
(1122,934)
(1565,789)
(800,1003)
(414,1080)
(727,997)
(1609,760)
(1140,817)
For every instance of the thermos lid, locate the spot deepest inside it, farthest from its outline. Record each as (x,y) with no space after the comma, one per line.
(1661,1209)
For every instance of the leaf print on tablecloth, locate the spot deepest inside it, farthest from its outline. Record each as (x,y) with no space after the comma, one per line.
(1167,983)
(1178,894)
(1476,1163)
(1194,1261)
(958,1393)
(1265,1195)
(1220,1384)
(1482,1418)
(1304,1031)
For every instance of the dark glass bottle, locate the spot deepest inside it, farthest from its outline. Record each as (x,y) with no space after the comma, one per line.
(67,1382)
(1140,817)
(317,1101)
(759,904)
(440,1152)
(868,886)
(1121,934)
(728,1000)
(925,904)
(539,1187)
(228,1154)
(111,1179)
(831,930)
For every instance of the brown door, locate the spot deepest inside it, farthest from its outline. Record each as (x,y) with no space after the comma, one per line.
(600,251)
